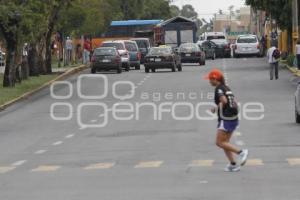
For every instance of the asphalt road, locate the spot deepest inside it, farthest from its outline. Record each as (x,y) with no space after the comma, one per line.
(151,155)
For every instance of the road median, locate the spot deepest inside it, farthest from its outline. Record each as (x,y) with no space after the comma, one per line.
(24,91)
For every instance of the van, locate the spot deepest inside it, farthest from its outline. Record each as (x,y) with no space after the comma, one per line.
(207,36)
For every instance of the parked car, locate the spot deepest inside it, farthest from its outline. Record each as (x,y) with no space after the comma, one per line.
(162,58)
(191,53)
(120,46)
(211,36)
(144,45)
(222,49)
(247,45)
(105,59)
(134,54)
(297,104)
(209,49)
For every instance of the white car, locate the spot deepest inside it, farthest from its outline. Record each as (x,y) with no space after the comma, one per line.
(297,104)
(247,45)
(207,36)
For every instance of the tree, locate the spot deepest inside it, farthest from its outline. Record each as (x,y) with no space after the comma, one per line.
(280,10)
(175,11)
(10,20)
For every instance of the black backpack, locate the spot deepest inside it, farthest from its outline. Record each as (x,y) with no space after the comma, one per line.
(276,54)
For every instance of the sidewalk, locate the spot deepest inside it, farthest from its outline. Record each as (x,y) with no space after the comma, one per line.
(294,70)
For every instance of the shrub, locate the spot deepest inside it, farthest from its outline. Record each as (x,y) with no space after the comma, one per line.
(291,60)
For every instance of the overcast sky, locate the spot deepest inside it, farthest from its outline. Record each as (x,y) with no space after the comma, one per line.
(206,8)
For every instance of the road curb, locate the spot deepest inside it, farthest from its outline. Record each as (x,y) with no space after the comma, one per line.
(63,76)
(293,70)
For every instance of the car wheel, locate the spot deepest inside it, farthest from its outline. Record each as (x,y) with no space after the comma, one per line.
(297,115)
(146,69)
(174,68)
(180,68)
(153,70)
(138,67)
(127,68)
(93,71)
(235,55)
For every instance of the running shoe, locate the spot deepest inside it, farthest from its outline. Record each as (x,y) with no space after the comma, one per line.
(232,168)
(243,156)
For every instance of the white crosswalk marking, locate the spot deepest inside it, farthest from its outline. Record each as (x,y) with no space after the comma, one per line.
(46,168)
(149,164)
(201,163)
(99,166)
(5,169)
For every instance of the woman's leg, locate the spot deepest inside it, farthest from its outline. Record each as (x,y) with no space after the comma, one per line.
(229,154)
(222,141)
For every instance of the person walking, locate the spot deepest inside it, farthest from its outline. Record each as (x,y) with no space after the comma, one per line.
(69,48)
(228,121)
(298,54)
(264,44)
(86,51)
(273,57)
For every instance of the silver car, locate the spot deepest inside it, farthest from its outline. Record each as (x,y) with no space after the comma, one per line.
(247,45)
(297,104)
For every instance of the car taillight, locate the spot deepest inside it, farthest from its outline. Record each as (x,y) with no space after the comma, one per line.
(138,56)
(198,53)
(227,46)
(93,59)
(118,59)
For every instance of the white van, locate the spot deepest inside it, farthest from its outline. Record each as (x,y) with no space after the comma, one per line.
(211,36)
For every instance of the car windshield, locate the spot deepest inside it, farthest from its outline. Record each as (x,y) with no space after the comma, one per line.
(247,40)
(118,46)
(131,46)
(105,52)
(220,41)
(216,37)
(160,51)
(188,47)
(142,44)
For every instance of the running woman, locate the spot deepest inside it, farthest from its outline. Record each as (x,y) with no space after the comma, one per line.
(228,121)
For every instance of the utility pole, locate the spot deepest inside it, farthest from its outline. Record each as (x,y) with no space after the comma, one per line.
(295,23)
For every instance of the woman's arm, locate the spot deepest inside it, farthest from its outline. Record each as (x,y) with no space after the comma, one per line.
(223,101)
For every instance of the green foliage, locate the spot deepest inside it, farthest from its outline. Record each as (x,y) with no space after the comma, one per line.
(290,60)
(280,10)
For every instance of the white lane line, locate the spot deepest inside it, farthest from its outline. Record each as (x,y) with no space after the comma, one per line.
(57,143)
(69,136)
(40,151)
(19,163)
(93,120)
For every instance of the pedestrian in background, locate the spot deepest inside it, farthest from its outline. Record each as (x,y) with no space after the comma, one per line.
(298,54)
(228,120)
(69,50)
(86,51)
(264,44)
(273,57)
